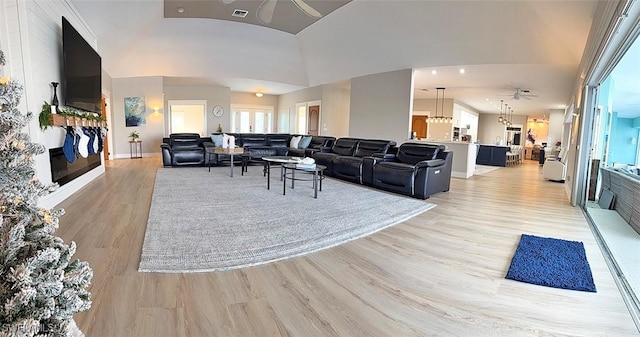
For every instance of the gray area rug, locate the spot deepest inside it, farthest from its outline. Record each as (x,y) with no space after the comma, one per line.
(207,221)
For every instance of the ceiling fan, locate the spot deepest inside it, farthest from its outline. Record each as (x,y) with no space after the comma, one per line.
(522,94)
(266,8)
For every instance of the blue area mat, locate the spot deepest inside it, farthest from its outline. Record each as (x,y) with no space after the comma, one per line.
(551,262)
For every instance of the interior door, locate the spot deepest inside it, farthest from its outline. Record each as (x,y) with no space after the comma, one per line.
(419,126)
(314,119)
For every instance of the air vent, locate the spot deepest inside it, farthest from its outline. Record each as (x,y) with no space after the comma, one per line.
(240,13)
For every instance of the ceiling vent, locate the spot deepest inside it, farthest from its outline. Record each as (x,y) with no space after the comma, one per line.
(240,13)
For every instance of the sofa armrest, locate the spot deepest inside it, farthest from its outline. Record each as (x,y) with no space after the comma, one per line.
(384,156)
(430,163)
(166,154)
(325,149)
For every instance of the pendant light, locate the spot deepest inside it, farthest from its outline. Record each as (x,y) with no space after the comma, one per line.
(501,106)
(439,117)
(504,120)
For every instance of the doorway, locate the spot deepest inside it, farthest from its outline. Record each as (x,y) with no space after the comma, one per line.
(252,118)
(314,119)
(188,117)
(307,118)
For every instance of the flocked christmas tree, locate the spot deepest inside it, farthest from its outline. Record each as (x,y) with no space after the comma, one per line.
(40,286)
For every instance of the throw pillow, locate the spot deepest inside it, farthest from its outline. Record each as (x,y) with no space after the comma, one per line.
(295,140)
(217,140)
(304,142)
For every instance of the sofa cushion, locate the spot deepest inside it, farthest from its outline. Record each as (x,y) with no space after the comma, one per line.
(185,141)
(295,140)
(304,142)
(348,168)
(249,140)
(345,146)
(217,139)
(278,140)
(368,147)
(317,142)
(396,177)
(412,153)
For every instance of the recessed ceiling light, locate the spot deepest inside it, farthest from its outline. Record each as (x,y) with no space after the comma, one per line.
(462,70)
(433,72)
(180,10)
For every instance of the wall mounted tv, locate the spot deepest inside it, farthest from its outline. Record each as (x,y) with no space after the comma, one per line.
(82,85)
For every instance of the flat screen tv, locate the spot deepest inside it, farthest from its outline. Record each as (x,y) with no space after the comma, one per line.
(82,85)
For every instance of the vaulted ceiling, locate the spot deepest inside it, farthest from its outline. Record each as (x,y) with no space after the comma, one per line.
(290,16)
(501,45)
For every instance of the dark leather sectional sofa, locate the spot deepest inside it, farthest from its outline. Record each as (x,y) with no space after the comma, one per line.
(189,149)
(414,169)
(417,170)
(344,159)
(182,149)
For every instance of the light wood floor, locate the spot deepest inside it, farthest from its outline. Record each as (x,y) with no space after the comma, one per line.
(438,274)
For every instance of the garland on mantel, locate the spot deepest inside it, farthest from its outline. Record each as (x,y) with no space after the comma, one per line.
(46,116)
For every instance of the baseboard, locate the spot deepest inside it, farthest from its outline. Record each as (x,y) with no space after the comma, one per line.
(144,155)
(68,189)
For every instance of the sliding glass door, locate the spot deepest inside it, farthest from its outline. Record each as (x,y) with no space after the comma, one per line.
(252,119)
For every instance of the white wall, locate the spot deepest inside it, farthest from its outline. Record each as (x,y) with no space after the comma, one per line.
(32,43)
(556,126)
(381,105)
(489,129)
(334,117)
(334,101)
(214,95)
(150,134)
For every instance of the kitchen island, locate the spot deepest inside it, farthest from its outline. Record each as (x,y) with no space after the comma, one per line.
(464,156)
(492,155)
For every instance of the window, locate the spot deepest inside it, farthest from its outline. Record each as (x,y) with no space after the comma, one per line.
(252,119)
(301,119)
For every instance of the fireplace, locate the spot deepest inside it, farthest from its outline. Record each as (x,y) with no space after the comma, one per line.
(63,172)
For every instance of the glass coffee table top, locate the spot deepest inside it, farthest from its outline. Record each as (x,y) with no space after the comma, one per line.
(281,159)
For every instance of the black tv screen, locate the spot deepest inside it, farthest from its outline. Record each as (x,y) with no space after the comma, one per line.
(82,86)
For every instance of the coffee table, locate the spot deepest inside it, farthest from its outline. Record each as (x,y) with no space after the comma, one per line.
(230,151)
(280,160)
(316,173)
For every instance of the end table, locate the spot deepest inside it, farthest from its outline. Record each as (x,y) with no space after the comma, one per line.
(135,146)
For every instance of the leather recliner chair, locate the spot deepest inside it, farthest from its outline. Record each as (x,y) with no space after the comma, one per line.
(341,147)
(183,149)
(417,170)
(350,167)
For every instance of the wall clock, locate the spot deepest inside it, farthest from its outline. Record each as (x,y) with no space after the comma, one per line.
(218,111)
